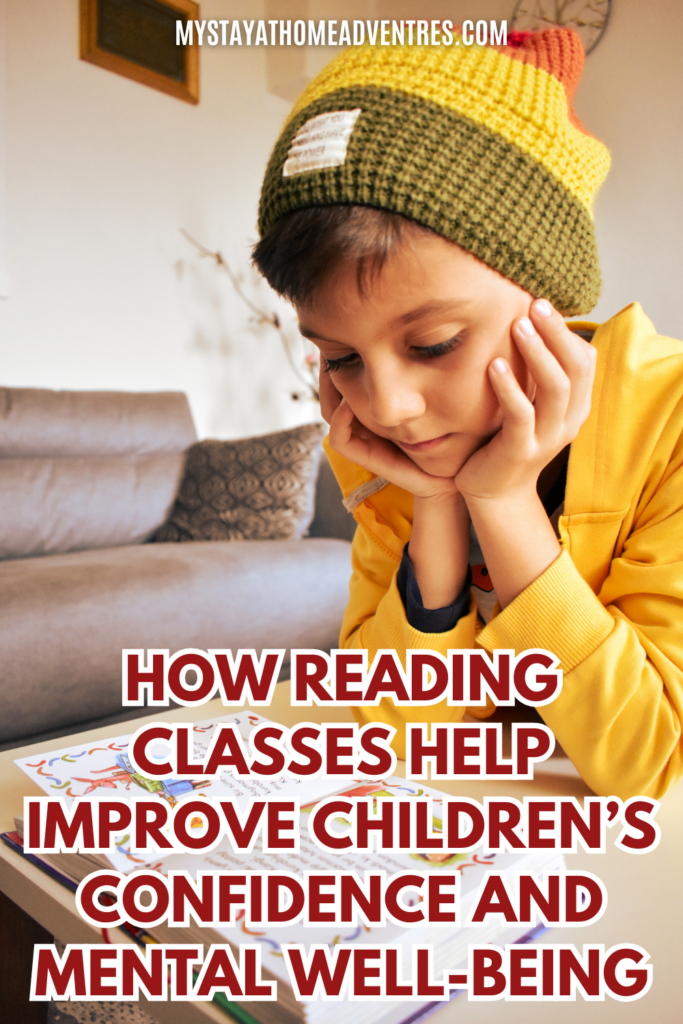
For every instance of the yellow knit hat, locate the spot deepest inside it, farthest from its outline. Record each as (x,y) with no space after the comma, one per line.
(481,144)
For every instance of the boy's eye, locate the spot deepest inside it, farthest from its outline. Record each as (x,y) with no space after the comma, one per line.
(337,364)
(433,351)
(421,351)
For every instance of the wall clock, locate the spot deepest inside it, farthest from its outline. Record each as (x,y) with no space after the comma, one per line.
(587,17)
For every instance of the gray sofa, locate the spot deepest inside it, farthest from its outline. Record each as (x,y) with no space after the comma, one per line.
(85,479)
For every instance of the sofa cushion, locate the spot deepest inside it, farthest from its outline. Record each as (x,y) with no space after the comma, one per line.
(55,505)
(37,422)
(255,488)
(64,619)
(82,469)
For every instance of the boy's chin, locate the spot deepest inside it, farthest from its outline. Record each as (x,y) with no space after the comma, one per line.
(439,464)
(448,458)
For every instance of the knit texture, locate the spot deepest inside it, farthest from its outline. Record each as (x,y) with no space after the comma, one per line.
(480,144)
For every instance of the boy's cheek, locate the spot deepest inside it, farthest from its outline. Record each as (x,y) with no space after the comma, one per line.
(469,406)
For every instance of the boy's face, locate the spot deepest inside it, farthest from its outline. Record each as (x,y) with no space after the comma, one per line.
(410,356)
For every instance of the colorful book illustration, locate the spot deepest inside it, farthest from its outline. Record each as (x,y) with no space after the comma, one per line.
(98,771)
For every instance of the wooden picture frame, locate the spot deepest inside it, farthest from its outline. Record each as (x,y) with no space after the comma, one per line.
(136,39)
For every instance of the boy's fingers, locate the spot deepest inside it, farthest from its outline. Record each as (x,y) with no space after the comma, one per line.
(355,442)
(572,352)
(551,327)
(574,355)
(374,454)
(518,412)
(343,440)
(340,424)
(360,431)
(580,401)
(329,396)
(553,386)
(358,444)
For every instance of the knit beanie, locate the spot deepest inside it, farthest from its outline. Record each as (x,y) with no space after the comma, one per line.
(480,144)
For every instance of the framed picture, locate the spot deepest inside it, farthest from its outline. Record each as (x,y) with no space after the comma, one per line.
(137,39)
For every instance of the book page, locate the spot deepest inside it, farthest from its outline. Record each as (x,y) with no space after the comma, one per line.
(103,770)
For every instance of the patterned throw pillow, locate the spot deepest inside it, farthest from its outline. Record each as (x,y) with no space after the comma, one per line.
(257,488)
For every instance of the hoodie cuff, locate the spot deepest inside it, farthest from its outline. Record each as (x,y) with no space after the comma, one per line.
(429,620)
(558,612)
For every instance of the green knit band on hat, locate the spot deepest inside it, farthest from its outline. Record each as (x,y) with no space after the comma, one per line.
(458,178)
(480,144)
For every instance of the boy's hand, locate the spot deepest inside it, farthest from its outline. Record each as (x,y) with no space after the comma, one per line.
(562,367)
(329,396)
(358,444)
(441,525)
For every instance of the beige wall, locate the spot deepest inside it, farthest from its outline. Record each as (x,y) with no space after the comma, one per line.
(631,97)
(101,173)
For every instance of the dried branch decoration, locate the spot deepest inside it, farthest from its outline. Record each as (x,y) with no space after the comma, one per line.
(307,378)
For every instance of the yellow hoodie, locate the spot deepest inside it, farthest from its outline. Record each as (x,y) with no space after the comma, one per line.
(610,607)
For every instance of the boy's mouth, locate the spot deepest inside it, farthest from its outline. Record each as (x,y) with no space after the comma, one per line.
(423,446)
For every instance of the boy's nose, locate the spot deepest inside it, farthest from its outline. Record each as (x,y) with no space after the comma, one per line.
(394,398)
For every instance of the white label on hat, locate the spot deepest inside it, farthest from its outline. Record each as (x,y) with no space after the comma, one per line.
(320,142)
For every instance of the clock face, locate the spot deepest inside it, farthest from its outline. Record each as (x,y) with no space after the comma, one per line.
(587,17)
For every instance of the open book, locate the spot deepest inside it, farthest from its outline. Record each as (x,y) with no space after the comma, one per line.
(104,770)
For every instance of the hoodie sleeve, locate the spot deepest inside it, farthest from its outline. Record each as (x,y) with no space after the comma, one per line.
(620,713)
(376,619)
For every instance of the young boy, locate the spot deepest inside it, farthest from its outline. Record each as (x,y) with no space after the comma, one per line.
(428,211)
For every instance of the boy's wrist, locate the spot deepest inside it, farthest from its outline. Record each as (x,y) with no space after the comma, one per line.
(519,499)
(438,546)
(517,539)
(446,500)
